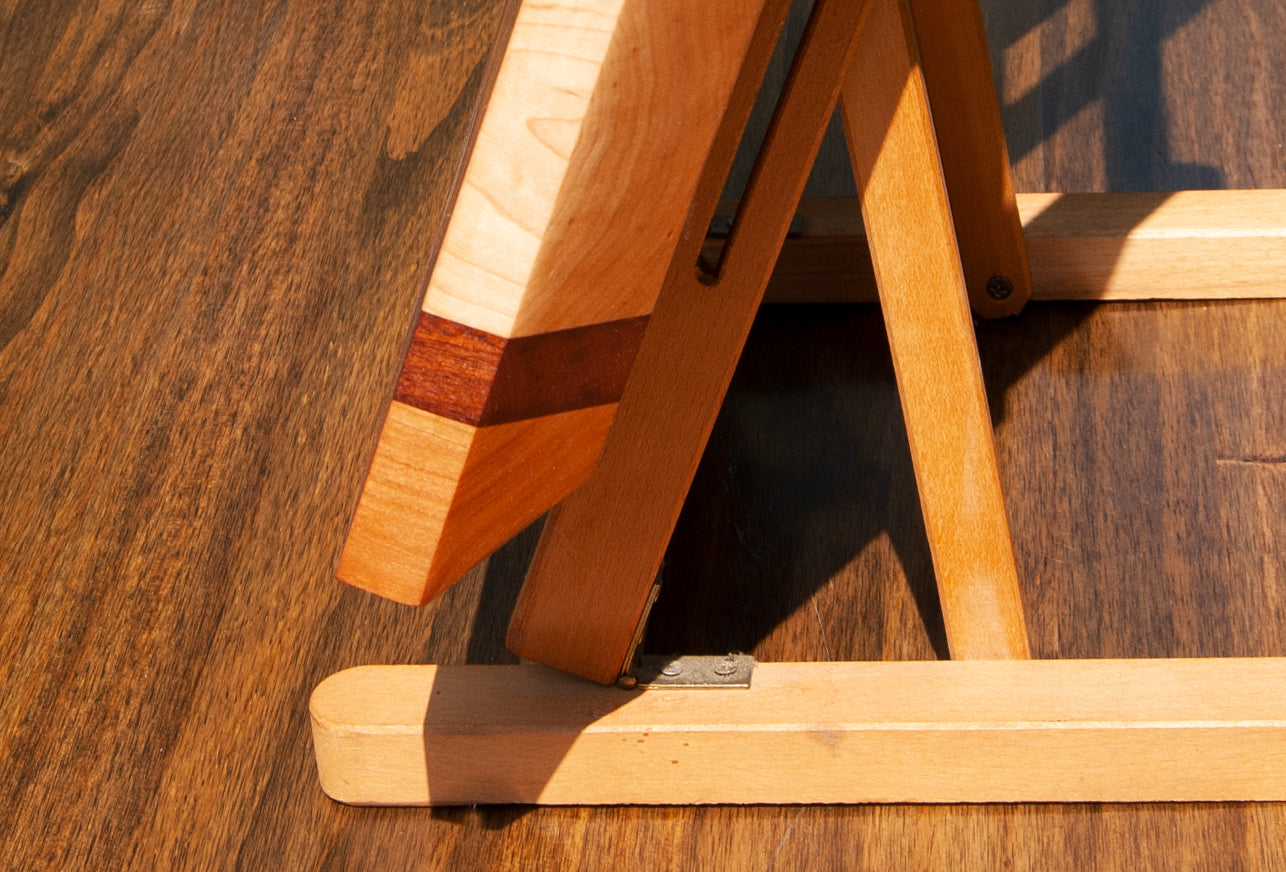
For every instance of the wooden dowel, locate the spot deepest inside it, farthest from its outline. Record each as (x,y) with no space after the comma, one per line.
(926,312)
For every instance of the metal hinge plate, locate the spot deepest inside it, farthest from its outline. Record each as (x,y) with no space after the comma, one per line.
(693,671)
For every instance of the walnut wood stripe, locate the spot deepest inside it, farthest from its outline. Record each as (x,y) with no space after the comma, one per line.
(477,378)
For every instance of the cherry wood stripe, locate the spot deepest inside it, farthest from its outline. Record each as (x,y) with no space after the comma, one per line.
(477,378)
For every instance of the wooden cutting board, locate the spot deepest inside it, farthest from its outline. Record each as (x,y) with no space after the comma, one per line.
(574,198)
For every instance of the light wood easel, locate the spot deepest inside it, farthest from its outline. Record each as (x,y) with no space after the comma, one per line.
(945,233)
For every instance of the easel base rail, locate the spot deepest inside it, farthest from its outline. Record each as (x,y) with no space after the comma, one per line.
(1186,245)
(923,732)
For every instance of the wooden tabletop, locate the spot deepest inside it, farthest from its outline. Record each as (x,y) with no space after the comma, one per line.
(215,222)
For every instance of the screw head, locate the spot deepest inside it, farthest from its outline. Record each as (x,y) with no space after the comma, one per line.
(727,667)
(1000,287)
(671,669)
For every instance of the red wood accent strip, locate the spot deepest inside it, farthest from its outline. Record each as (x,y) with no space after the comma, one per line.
(564,370)
(477,378)
(449,369)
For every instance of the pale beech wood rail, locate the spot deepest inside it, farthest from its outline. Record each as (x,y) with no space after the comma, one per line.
(1000,731)
(1181,245)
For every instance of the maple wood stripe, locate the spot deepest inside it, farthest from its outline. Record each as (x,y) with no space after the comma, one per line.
(478,378)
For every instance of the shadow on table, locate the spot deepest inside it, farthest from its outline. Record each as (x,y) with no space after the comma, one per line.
(808,463)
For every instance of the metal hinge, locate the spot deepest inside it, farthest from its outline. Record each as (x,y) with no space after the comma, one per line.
(691,671)
(694,671)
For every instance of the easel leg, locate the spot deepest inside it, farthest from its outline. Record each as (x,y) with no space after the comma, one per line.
(589,584)
(922,293)
(975,161)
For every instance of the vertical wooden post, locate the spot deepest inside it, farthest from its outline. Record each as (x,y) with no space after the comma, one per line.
(922,291)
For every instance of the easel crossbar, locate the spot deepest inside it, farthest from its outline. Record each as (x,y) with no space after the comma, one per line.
(962,731)
(1187,245)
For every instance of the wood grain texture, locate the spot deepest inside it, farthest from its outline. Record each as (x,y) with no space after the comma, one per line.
(980,731)
(473,493)
(885,108)
(219,226)
(1185,245)
(548,269)
(449,369)
(199,335)
(604,543)
(590,108)
(482,380)
(975,160)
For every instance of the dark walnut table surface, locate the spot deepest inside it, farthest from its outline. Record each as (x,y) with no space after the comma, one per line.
(215,223)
